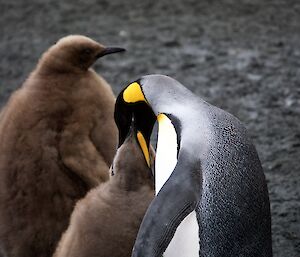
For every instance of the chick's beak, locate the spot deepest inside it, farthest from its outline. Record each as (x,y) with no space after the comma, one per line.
(110,50)
(140,139)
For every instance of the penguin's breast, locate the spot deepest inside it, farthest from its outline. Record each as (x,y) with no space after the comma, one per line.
(166,151)
(185,242)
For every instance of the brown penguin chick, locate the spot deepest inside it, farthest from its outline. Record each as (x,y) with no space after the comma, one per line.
(57,141)
(105,223)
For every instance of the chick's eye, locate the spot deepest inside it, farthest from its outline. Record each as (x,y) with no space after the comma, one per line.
(87,51)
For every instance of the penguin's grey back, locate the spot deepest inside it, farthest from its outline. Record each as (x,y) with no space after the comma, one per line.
(234,212)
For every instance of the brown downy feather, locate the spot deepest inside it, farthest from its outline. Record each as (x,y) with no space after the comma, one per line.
(105,223)
(57,141)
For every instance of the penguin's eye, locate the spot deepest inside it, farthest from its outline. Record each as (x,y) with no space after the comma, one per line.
(87,51)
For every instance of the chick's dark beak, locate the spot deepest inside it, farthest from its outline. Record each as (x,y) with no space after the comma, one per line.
(110,50)
(139,138)
(132,129)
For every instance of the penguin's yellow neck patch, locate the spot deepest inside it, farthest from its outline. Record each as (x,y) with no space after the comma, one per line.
(162,117)
(144,147)
(133,93)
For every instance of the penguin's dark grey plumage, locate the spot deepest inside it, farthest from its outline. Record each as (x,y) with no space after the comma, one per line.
(212,198)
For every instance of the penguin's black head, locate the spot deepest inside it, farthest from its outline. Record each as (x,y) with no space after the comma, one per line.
(131,103)
(151,98)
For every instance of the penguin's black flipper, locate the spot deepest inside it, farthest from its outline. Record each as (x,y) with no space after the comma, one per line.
(166,212)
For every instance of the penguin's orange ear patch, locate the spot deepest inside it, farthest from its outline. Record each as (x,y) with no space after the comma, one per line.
(144,147)
(133,93)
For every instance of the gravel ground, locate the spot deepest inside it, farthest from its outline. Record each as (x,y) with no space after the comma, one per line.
(243,56)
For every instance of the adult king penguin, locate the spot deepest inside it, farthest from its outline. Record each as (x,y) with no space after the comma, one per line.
(212,198)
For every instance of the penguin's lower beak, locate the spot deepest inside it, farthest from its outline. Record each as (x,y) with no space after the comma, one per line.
(110,50)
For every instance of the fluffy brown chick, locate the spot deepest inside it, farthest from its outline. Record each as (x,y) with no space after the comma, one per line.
(105,223)
(57,141)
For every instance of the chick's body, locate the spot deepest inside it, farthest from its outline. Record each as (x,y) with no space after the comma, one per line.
(105,223)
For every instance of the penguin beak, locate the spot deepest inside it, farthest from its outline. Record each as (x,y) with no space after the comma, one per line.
(132,129)
(145,149)
(110,50)
(140,139)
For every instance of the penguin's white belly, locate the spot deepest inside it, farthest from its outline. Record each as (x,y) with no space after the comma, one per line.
(185,242)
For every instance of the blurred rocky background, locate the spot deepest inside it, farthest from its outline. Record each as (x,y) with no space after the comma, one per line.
(243,56)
